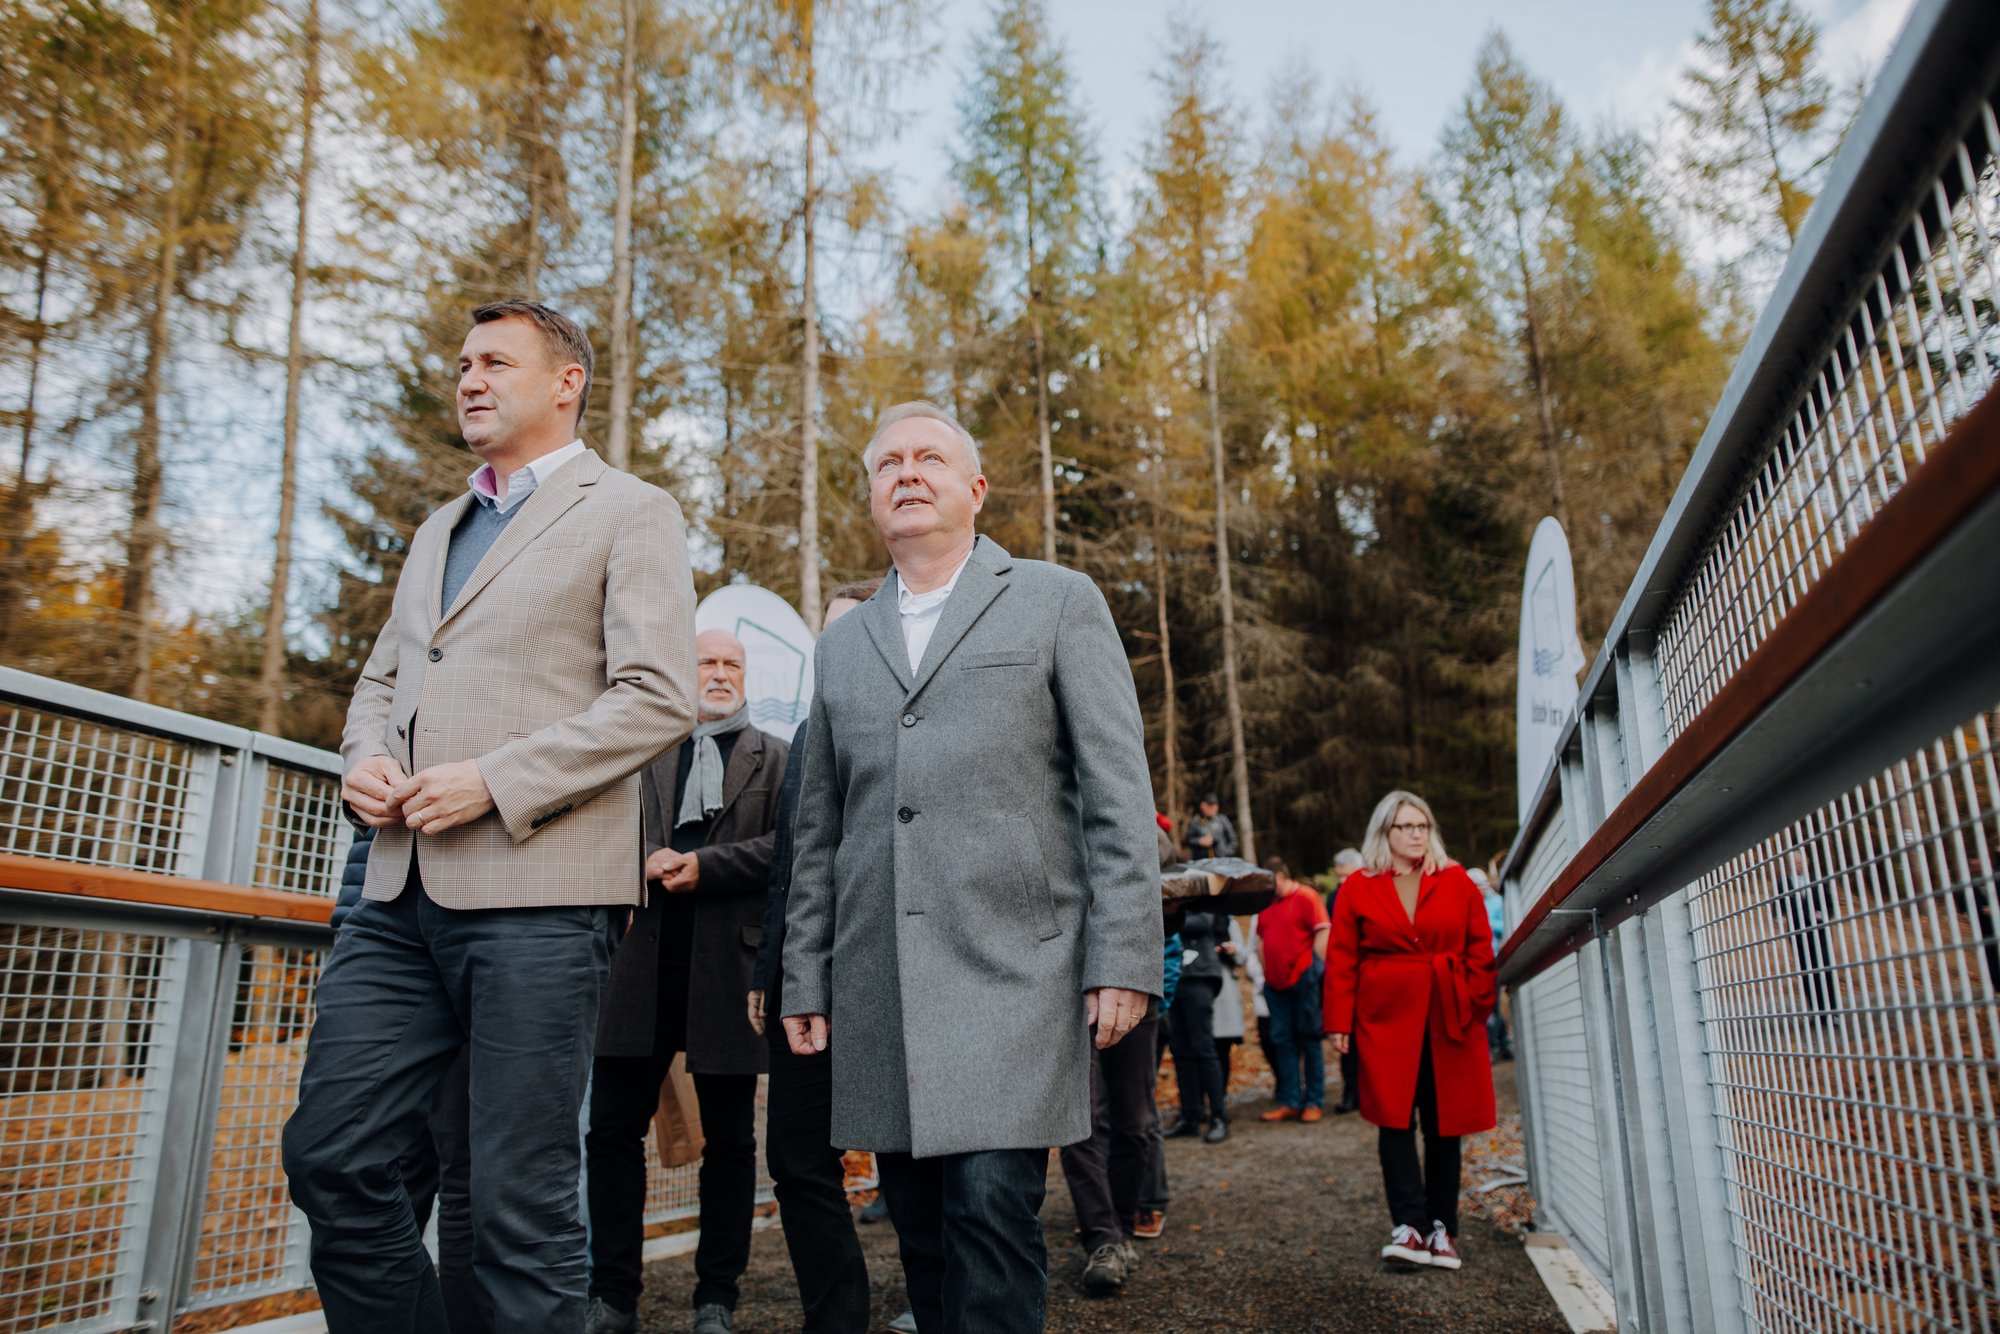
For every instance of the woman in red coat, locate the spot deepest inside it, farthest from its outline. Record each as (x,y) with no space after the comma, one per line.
(1409,983)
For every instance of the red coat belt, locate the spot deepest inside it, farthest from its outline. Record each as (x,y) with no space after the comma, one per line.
(1448,971)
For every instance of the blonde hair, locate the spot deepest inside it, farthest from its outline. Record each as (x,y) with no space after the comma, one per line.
(1375,847)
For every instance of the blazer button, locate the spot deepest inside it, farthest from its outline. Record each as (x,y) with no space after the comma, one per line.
(909,720)
(437,655)
(906,815)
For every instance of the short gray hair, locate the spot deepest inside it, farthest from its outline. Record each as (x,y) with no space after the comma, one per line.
(1346,857)
(903,412)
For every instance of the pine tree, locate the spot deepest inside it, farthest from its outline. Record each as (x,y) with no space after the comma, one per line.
(1025,161)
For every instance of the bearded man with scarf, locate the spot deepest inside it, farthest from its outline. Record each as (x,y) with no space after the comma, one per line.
(709,814)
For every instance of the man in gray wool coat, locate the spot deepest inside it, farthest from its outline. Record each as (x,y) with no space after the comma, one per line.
(975,896)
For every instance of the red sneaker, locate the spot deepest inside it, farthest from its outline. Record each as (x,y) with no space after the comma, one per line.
(1406,1246)
(1443,1254)
(1148,1224)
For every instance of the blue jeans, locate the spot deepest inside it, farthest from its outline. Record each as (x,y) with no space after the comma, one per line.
(970,1229)
(1295,1037)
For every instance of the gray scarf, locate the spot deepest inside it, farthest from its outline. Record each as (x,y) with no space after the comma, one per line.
(701,796)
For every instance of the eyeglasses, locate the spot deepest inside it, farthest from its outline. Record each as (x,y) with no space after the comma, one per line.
(1409,829)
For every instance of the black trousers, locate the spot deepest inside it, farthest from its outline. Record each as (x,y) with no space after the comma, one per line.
(970,1230)
(811,1187)
(1814,947)
(1153,1194)
(1197,1064)
(1107,1172)
(624,1095)
(408,986)
(1350,1077)
(1420,1195)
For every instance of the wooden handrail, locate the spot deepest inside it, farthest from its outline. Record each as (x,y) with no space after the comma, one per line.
(45,875)
(1960,475)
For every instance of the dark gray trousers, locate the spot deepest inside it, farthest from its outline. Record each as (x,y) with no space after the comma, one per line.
(408,985)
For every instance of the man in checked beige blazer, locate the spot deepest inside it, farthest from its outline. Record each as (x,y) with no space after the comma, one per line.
(539,654)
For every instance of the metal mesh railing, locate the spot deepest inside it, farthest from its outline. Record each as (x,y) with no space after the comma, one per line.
(86,792)
(302,836)
(1916,354)
(252,1240)
(673,1193)
(1847,970)
(81,1060)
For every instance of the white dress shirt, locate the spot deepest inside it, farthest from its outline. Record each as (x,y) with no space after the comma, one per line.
(922,612)
(522,483)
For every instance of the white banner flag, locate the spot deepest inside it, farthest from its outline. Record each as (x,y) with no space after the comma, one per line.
(1551,656)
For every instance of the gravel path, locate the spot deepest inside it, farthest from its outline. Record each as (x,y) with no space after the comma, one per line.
(1276,1230)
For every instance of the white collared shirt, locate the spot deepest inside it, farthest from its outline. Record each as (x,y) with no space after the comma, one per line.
(921,612)
(522,483)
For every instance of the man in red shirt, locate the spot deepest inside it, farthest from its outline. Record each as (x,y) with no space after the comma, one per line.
(1291,944)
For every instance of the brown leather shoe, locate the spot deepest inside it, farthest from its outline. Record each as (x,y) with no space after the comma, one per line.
(1281,1114)
(1310,1114)
(1148,1224)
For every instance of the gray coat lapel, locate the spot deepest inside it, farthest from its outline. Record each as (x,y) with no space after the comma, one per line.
(982,581)
(885,627)
(538,511)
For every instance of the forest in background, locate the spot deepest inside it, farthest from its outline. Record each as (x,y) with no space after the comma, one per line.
(1296,403)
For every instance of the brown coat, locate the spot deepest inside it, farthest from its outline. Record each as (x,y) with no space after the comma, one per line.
(728,924)
(565,667)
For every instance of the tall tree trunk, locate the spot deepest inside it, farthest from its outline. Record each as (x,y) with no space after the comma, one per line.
(618,440)
(1041,379)
(1169,712)
(1048,453)
(537,175)
(271,679)
(809,606)
(19,521)
(1232,695)
(1538,370)
(143,539)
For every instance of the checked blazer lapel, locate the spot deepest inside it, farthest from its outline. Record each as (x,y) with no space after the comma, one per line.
(440,545)
(981,582)
(549,503)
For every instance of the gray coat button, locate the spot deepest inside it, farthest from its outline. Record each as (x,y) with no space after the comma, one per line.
(437,655)
(906,815)
(909,720)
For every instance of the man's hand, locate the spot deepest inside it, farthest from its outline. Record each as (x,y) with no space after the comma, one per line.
(757,1011)
(443,797)
(369,789)
(1340,1043)
(807,1033)
(1114,1010)
(677,872)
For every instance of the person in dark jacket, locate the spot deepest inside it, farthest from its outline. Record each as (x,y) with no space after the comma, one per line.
(1191,1029)
(798,1130)
(437,1165)
(709,813)
(1209,832)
